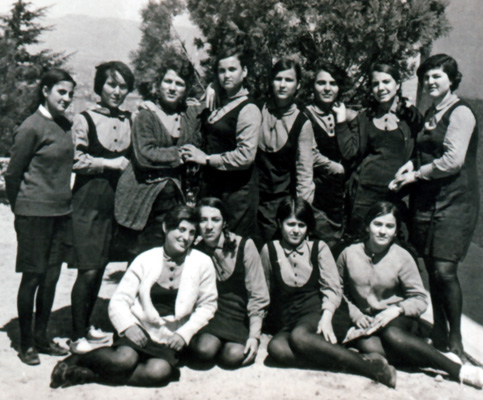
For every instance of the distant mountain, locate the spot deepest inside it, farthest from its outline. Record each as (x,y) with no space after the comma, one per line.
(92,41)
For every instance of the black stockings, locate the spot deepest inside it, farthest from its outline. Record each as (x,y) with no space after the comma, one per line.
(400,346)
(447,302)
(41,289)
(83,298)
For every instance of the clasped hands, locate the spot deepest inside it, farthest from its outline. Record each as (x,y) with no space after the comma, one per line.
(380,320)
(136,335)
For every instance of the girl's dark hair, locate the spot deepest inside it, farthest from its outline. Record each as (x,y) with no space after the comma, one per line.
(180,213)
(172,59)
(284,64)
(387,69)
(339,75)
(299,208)
(447,63)
(229,246)
(51,78)
(104,70)
(230,50)
(383,208)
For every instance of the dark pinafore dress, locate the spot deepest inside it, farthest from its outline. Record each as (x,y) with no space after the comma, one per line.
(164,301)
(445,210)
(93,207)
(230,322)
(329,196)
(277,177)
(290,306)
(238,189)
(386,152)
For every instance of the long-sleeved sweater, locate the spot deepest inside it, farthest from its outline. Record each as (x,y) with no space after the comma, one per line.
(39,171)
(195,303)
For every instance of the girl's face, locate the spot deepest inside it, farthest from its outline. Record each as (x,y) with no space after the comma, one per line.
(231,74)
(114,90)
(211,224)
(325,88)
(436,83)
(58,97)
(293,231)
(285,86)
(382,231)
(180,239)
(172,90)
(384,87)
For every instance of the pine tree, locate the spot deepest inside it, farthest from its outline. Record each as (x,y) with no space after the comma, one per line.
(20,69)
(350,33)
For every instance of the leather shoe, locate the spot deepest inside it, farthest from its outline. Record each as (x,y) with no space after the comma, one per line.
(51,348)
(30,356)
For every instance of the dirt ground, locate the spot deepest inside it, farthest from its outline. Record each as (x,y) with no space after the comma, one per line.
(19,381)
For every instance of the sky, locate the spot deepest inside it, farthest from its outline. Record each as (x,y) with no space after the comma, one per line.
(125,9)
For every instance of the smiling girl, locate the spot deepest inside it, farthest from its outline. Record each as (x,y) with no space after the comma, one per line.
(38,189)
(151,185)
(380,141)
(102,139)
(445,196)
(385,294)
(305,293)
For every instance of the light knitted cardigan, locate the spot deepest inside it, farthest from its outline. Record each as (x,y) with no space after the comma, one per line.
(195,303)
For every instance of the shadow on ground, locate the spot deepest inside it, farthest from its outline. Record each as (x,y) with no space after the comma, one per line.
(60,323)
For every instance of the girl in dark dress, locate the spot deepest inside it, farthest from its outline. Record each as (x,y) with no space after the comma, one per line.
(445,196)
(330,169)
(385,293)
(305,292)
(38,189)
(230,136)
(181,286)
(380,141)
(233,335)
(102,139)
(284,159)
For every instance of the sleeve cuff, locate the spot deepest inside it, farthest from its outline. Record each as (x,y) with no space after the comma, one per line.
(425,171)
(216,161)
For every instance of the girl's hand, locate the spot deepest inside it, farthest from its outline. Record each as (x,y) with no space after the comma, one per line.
(325,327)
(251,349)
(340,112)
(191,153)
(119,163)
(364,321)
(384,317)
(136,335)
(176,342)
(211,97)
(408,167)
(396,184)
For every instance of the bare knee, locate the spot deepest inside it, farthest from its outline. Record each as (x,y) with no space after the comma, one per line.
(205,346)
(232,355)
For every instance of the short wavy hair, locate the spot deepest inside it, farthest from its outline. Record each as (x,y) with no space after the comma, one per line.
(447,63)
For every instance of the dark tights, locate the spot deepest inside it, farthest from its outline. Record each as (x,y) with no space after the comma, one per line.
(41,289)
(83,298)
(399,345)
(123,366)
(207,347)
(303,348)
(447,302)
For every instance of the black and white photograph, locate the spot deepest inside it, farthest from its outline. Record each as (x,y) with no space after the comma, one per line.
(241,199)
